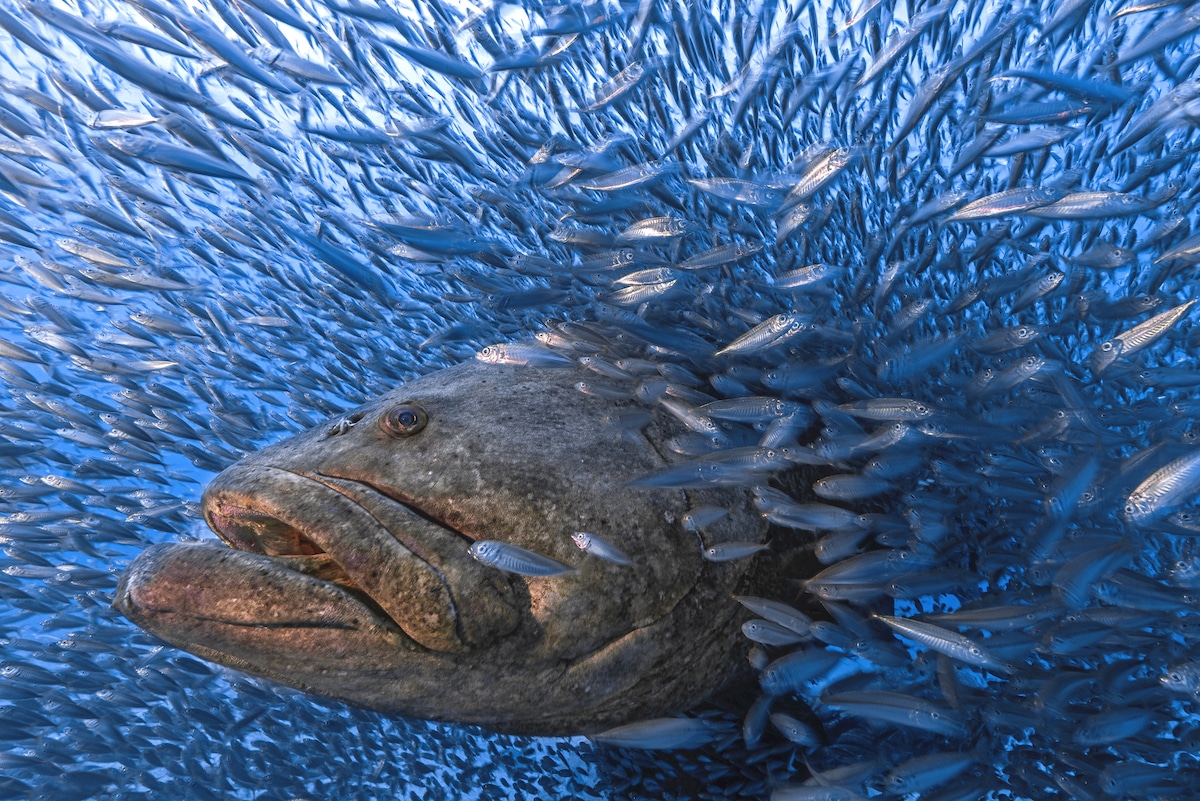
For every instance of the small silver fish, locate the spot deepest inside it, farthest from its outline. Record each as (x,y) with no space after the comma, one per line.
(621,84)
(514,559)
(899,709)
(771,331)
(1112,725)
(1008,201)
(850,486)
(522,353)
(887,409)
(719,256)
(630,177)
(1163,489)
(1182,678)
(121,118)
(768,633)
(1006,339)
(729,551)
(789,673)
(751,409)
(952,644)
(796,731)
(807,277)
(658,733)
(927,771)
(755,722)
(700,423)
(702,517)
(599,548)
(1135,339)
(812,516)
(639,294)
(737,190)
(653,230)
(1095,205)
(821,171)
(600,390)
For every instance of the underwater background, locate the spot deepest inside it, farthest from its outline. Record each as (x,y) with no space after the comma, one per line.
(959,240)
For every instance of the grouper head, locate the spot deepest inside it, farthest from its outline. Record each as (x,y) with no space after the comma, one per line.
(348,573)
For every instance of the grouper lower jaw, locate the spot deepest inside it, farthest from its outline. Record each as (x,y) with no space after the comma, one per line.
(315,635)
(195,597)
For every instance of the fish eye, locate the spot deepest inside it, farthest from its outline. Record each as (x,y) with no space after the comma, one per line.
(1106,346)
(404,420)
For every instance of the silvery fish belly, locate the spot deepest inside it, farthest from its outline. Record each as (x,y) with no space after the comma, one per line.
(351,572)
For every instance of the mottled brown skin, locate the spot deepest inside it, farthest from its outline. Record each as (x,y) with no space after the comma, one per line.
(349,575)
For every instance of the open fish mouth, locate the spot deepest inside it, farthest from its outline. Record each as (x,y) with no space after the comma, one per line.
(412,570)
(254,532)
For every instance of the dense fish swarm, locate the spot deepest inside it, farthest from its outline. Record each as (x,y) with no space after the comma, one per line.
(946,253)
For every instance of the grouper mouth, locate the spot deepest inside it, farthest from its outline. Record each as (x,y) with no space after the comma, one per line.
(313,534)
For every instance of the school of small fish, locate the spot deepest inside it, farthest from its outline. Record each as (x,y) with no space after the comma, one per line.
(946,253)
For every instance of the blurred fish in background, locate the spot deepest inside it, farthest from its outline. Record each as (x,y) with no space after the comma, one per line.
(948,251)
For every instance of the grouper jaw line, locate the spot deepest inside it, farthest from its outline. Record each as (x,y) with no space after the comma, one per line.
(348,486)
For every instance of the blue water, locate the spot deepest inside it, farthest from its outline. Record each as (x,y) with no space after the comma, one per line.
(165,311)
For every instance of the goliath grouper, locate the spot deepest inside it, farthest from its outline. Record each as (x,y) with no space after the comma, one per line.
(350,574)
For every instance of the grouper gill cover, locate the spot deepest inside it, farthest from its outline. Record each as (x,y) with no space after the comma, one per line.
(908,285)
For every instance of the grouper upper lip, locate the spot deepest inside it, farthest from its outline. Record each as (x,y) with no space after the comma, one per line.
(249,529)
(398,559)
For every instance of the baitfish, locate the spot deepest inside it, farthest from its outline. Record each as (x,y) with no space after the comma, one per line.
(729,551)
(600,548)
(833,206)
(515,559)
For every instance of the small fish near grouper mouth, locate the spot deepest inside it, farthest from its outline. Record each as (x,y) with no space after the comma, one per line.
(351,573)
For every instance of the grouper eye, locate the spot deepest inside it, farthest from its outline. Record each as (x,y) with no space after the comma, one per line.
(404,420)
